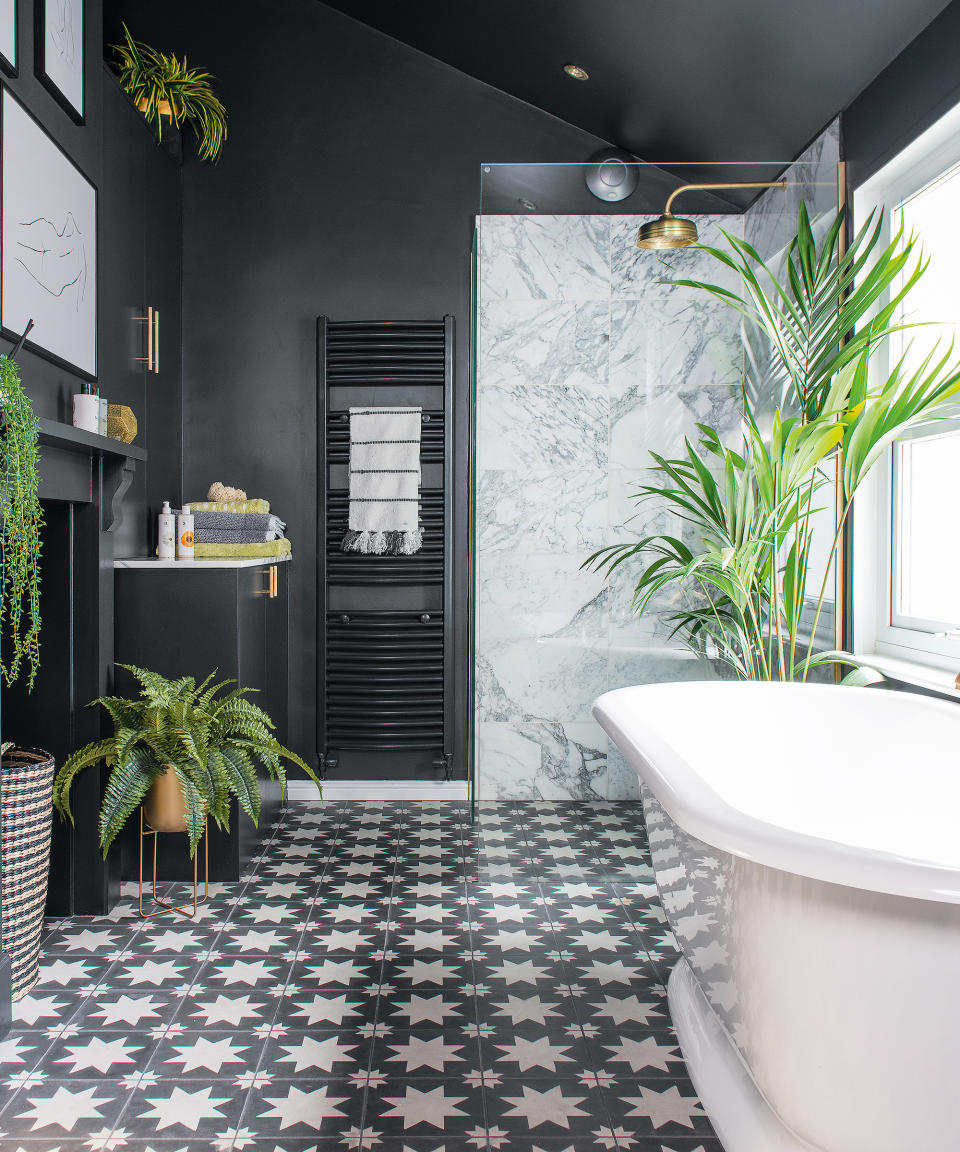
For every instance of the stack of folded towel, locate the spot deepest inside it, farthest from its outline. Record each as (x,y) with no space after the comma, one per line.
(239,528)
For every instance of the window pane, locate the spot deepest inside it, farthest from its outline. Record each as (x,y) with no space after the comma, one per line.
(928,472)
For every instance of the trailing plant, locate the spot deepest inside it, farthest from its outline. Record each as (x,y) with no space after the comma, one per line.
(742,558)
(163,85)
(21,519)
(211,740)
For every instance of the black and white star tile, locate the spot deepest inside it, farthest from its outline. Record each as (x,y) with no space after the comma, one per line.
(387,977)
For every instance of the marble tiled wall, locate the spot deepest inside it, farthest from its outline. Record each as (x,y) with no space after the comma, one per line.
(585,363)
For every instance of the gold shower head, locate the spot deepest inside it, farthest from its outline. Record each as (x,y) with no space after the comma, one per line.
(669,231)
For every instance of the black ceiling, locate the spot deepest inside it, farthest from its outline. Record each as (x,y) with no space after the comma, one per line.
(692,80)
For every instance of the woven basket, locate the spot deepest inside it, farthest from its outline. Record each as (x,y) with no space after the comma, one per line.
(26,812)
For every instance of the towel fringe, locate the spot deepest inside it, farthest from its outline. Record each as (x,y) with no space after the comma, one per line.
(383,543)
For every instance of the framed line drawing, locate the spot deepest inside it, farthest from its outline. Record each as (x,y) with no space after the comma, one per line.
(59,53)
(8,36)
(48,244)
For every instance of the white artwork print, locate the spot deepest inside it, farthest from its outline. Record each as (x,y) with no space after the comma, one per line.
(63,48)
(49,243)
(8,31)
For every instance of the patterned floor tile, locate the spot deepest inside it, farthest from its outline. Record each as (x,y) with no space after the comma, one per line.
(387,977)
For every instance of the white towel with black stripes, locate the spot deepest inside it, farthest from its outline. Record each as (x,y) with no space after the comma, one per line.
(384,482)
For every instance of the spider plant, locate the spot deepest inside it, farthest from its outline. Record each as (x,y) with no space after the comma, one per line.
(749,516)
(163,85)
(210,740)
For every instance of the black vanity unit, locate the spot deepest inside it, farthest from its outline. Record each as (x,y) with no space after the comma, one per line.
(186,618)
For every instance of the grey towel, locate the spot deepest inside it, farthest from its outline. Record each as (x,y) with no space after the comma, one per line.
(225,536)
(238,521)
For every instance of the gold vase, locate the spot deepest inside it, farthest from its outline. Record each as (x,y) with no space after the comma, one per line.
(163,106)
(163,805)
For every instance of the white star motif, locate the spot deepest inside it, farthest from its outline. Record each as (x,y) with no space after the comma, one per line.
(598,941)
(423,941)
(64,1108)
(310,1053)
(185,1108)
(332,1008)
(622,1009)
(609,972)
(539,1053)
(33,1008)
(533,1008)
(337,941)
(211,1054)
(253,941)
(335,971)
(228,1009)
(283,890)
(63,971)
(431,1107)
(520,939)
(420,1053)
(14,1049)
(269,913)
(98,1053)
(646,1053)
(519,971)
(245,972)
(432,1008)
(171,941)
(429,971)
(550,1107)
(667,1107)
(89,941)
(153,971)
(310,1108)
(507,912)
(432,913)
(585,914)
(128,1009)
(350,913)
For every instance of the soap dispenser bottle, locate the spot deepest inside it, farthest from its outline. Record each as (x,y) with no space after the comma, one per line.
(185,534)
(166,533)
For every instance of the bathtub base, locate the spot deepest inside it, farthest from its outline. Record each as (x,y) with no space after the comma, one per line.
(742,1119)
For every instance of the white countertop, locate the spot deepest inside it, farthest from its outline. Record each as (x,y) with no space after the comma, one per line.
(208,562)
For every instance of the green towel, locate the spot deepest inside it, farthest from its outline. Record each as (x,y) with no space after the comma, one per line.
(230,506)
(265,551)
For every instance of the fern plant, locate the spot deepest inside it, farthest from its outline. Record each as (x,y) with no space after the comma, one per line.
(211,740)
(163,85)
(21,519)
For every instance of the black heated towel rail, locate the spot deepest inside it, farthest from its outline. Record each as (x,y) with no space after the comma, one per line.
(384,623)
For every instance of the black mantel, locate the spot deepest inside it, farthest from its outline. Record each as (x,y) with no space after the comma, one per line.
(83,478)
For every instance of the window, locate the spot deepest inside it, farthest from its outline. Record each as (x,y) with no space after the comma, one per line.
(907,519)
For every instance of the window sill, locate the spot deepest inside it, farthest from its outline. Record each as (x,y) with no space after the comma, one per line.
(911,672)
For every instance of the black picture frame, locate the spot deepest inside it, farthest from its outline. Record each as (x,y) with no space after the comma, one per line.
(14,329)
(69,19)
(10,11)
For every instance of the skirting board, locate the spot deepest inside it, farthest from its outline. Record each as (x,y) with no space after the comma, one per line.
(450,790)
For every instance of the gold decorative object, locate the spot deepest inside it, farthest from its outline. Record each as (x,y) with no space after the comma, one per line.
(163,811)
(121,423)
(669,231)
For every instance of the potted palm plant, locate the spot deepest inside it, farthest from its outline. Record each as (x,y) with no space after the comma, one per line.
(183,750)
(164,87)
(742,560)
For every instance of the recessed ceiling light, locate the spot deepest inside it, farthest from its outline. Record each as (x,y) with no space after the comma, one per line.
(576,72)
(528,204)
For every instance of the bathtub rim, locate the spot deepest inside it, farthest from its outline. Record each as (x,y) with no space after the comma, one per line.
(697,808)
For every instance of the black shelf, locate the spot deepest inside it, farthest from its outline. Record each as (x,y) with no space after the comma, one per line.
(65,436)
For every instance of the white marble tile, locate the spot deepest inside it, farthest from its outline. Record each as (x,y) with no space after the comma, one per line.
(554,429)
(541,761)
(637,272)
(545,679)
(544,258)
(659,419)
(771,221)
(531,596)
(623,783)
(544,343)
(529,513)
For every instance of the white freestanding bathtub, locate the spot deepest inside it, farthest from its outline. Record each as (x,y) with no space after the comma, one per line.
(806,843)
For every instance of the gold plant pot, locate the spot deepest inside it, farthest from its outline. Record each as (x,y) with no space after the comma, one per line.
(163,806)
(163,107)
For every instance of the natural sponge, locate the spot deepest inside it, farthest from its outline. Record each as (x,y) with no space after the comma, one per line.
(222,494)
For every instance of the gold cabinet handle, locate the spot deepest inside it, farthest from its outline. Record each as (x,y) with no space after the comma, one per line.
(274,581)
(149,358)
(156,339)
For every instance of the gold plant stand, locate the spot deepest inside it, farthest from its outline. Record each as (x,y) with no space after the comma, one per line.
(186,909)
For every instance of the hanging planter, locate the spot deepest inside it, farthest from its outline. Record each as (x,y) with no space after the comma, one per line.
(164,88)
(26,810)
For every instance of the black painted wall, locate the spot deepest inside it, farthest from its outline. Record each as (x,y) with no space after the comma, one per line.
(347,187)
(920,86)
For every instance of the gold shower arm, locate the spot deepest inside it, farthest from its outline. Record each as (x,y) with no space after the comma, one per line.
(705,187)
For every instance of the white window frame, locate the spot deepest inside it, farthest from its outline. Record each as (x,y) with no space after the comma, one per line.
(877,629)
